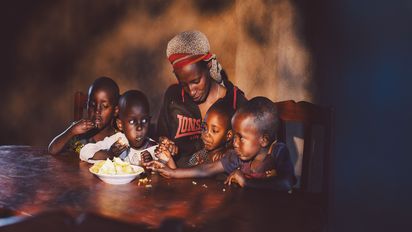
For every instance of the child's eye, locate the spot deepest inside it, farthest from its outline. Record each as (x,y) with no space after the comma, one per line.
(132,122)
(238,137)
(204,127)
(144,121)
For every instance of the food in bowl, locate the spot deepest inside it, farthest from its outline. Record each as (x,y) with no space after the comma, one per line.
(116,171)
(115,167)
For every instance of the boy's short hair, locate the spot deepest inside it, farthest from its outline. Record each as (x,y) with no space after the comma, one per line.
(108,84)
(265,113)
(224,110)
(131,98)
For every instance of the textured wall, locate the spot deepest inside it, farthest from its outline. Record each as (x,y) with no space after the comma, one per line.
(58,47)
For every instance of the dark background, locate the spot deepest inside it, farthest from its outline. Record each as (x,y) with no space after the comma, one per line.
(53,48)
(360,50)
(363,55)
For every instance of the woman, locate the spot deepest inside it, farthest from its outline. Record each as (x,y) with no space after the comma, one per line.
(201,82)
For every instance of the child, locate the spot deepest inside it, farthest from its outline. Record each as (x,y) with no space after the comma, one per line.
(102,101)
(133,121)
(257,161)
(216,135)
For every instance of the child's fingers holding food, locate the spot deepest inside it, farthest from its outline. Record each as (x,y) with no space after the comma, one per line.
(145,157)
(154,165)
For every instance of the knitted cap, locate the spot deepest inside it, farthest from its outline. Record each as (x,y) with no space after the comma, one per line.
(188,42)
(189,47)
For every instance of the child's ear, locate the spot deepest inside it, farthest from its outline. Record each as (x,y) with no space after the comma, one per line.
(264,140)
(229,135)
(116,111)
(119,124)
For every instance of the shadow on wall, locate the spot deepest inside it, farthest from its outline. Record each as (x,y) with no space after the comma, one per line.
(63,46)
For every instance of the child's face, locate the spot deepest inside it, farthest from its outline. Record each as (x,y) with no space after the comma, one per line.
(134,122)
(194,80)
(100,109)
(214,130)
(246,136)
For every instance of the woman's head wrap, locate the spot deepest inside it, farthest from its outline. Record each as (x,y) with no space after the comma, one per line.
(189,47)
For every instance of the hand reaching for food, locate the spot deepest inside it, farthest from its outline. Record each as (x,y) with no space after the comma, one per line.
(161,168)
(167,144)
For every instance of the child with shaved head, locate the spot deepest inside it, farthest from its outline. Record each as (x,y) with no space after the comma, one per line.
(258,159)
(132,142)
(216,136)
(102,108)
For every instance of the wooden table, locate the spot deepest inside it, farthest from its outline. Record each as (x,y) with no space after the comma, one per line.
(34,182)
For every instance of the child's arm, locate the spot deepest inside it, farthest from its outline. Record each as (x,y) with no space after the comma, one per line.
(281,178)
(99,150)
(115,151)
(279,183)
(203,170)
(102,155)
(76,128)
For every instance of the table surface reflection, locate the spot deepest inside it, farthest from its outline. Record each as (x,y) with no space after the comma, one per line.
(33,181)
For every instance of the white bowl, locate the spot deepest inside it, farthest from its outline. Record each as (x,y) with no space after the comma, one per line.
(121,178)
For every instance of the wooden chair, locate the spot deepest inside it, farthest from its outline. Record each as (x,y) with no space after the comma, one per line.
(309,116)
(80,101)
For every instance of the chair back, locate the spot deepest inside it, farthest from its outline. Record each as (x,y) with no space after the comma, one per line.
(316,163)
(80,101)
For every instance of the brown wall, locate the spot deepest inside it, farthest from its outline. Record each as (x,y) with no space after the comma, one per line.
(57,47)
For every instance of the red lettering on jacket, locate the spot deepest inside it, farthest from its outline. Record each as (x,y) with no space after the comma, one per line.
(187,126)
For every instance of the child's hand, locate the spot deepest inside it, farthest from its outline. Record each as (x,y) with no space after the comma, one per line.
(145,157)
(236,177)
(161,168)
(163,154)
(167,144)
(81,126)
(117,148)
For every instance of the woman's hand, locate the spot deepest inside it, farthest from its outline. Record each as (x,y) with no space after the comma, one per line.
(161,168)
(82,126)
(236,177)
